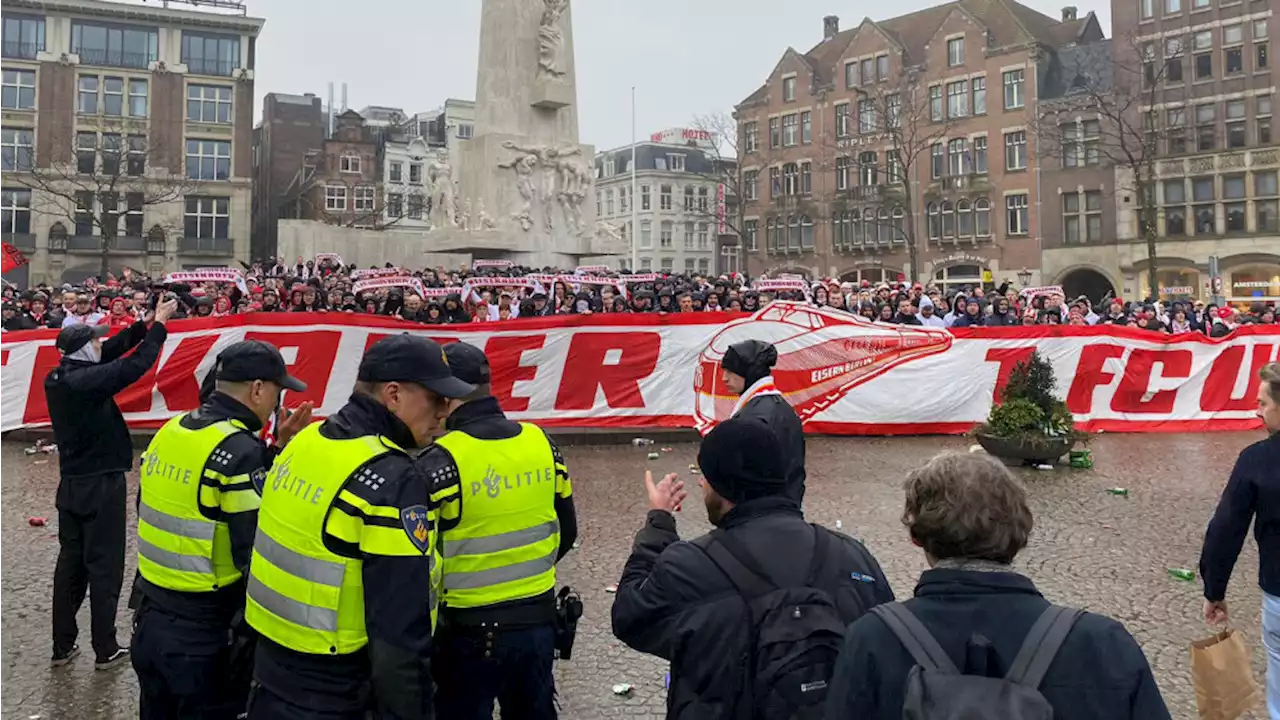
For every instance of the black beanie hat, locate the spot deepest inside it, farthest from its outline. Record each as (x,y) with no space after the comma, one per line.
(742,460)
(752,359)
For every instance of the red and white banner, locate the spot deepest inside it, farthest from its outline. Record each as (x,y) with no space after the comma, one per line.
(843,375)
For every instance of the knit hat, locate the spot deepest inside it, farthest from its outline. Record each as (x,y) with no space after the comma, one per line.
(742,460)
(752,359)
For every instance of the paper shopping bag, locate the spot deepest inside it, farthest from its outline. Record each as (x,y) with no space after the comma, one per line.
(1222,670)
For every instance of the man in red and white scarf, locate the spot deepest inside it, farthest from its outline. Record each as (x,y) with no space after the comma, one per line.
(745,371)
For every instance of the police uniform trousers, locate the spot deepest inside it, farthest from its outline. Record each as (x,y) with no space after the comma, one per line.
(188,669)
(266,705)
(91,539)
(473,666)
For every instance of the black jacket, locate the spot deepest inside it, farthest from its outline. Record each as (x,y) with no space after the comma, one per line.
(901,319)
(87,424)
(393,672)
(981,620)
(1001,319)
(483,419)
(673,601)
(1253,490)
(782,421)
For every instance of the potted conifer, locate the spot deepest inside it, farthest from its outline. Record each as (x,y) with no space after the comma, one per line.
(1029,424)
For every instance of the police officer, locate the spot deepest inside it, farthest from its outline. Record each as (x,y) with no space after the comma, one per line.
(342,582)
(197,512)
(506,519)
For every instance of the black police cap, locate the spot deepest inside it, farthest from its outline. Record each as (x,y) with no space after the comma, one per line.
(415,359)
(250,360)
(467,362)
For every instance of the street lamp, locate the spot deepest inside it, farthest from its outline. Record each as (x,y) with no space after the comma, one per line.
(1024,277)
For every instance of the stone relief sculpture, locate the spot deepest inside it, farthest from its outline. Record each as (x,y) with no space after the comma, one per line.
(609,231)
(443,197)
(523,165)
(482,220)
(548,158)
(551,39)
(464,217)
(575,181)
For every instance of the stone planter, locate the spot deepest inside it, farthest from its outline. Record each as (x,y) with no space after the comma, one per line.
(1017,451)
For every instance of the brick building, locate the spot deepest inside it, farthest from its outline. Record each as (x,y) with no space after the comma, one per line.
(148,110)
(291,125)
(827,199)
(1196,80)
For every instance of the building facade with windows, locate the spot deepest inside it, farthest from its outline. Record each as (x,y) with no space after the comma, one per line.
(1202,85)
(825,193)
(680,223)
(138,112)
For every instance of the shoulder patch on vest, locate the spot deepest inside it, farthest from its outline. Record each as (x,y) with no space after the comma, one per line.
(417,526)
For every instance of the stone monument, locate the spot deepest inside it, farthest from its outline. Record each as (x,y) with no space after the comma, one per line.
(524,165)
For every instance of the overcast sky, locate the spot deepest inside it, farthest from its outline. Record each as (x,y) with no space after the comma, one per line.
(685,57)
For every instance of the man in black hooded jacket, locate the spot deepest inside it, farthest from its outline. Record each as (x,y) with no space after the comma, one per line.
(745,372)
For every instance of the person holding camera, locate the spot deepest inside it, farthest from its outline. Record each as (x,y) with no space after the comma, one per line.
(506,517)
(94,453)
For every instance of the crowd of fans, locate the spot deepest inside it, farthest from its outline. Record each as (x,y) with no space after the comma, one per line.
(442,296)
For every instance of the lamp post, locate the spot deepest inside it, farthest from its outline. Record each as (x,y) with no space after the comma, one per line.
(1024,278)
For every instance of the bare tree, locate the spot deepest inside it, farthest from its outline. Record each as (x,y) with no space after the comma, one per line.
(1106,118)
(103,178)
(726,169)
(908,121)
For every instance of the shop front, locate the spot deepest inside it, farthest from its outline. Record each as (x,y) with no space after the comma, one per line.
(1253,283)
(1179,283)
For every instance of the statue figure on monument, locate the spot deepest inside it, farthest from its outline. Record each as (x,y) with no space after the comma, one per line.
(575,180)
(440,180)
(464,217)
(551,39)
(483,220)
(523,165)
(549,158)
(608,230)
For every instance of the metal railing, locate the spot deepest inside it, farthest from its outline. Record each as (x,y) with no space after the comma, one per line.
(210,246)
(206,66)
(114,58)
(21,50)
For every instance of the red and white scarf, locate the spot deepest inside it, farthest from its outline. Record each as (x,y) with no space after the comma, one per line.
(760,388)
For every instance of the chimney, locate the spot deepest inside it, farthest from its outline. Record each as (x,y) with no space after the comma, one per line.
(830,26)
(1069,13)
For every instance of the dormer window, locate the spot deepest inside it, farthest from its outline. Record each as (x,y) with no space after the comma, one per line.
(350,163)
(788,89)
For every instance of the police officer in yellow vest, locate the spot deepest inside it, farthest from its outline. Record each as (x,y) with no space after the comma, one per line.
(506,519)
(197,514)
(342,583)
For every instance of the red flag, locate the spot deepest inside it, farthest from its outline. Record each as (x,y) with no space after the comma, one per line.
(11,258)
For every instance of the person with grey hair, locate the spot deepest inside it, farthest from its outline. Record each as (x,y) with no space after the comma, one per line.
(1253,490)
(975,623)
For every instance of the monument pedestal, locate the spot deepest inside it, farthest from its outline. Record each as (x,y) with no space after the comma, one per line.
(551,95)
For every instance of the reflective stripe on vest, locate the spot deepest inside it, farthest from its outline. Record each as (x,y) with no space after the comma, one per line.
(179,548)
(507,539)
(301,595)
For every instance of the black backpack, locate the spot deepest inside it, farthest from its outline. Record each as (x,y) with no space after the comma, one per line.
(936,690)
(794,633)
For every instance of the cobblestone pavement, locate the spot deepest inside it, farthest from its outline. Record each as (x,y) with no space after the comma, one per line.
(1105,553)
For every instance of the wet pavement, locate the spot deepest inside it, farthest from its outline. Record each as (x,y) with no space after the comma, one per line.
(1105,553)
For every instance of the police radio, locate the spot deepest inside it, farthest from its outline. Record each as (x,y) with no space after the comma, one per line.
(568,611)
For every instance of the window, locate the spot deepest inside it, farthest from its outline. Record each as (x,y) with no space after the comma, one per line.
(1235,124)
(1199,4)
(19,89)
(1070,145)
(415,173)
(1265,211)
(1264,183)
(703,229)
(610,168)
(844,167)
(1232,34)
(395,205)
(806,127)
(624,198)
(893,108)
(1015,150)
(842,121)
(689,265)
(982,217)
(114,45)
(1071,218)
(646,264)
(788,89)
(806,178)
(137,98)
(133,209)
(751,136)
(1016,214)
(935,103)
(23,36)
(395,172)
(1093,215)
(83,216)
(86,153)
(599,204)
(16,148)
(790,179)
(1203,193)
(87,94)
(608,203)
(1173,60)
(750,229)
(980,155)
(208,159)
(668,264)
(948,220)
(335,197)
(775,182)
(688,236)
(703,197)
(465,131)
(209,103)
(664,197)
(790,126)
(210,54)
(775,134)
(935,222)
(979,96)
(646,234)
(416,206)
(793,233)
(882,68)
(644,197)
(349,163)
(1206,127)
(15,209)
(113,96)
(665,233)
(364,198)
(958,160)
(866,117)
(1172,6)
(893,172)
(955,52)
(868,71)
(112,153)
(958,99)
(851,74)
(676,162)
(937,161)
(750,181)
(1233,52)
(1148,9)
(867,169)
(208,217)
(1013,94)
(1175,212)
(1204,66)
